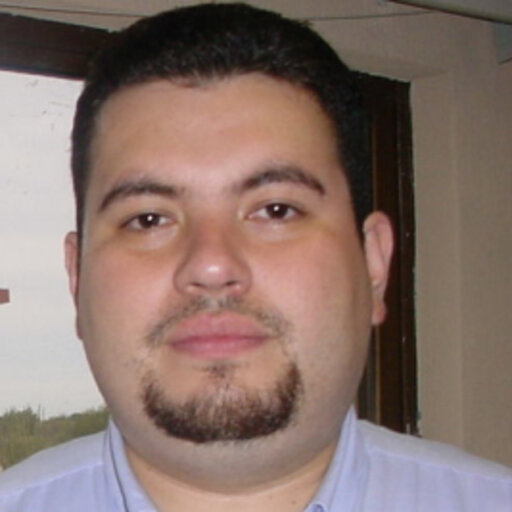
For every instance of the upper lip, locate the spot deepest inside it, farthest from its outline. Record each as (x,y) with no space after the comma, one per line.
(216,325)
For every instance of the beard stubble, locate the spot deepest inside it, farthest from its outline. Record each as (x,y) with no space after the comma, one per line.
(226,411)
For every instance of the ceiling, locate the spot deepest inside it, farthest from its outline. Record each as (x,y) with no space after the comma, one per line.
(114,14)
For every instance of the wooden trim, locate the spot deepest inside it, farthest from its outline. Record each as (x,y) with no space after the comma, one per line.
(4,296)
(47,47)
(388,394)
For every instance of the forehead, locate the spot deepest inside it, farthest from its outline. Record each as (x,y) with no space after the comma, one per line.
(225,123)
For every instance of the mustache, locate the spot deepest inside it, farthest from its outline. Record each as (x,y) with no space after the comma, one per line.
(273,322)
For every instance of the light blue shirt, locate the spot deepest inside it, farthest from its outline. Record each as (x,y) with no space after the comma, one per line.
(373,470)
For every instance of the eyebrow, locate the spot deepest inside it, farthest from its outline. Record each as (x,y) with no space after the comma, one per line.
(140,187)
(276,173)
(281,173)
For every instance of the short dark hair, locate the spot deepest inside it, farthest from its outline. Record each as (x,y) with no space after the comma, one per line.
(213,41)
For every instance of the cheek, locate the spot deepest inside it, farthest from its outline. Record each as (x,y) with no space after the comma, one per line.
(117,303)
(321,283)
(117,286)
(323,290)
(115,306)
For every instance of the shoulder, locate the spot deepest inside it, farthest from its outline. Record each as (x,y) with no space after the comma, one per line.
(51,469)
(409,449)
(435,473)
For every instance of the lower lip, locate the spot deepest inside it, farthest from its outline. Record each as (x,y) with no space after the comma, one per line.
(217,347)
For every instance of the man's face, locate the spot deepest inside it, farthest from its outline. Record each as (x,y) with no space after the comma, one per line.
(223,292)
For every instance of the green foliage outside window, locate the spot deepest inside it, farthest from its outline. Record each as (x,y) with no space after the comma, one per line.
(24,432)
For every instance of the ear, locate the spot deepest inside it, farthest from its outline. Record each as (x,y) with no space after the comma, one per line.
(72,259)
(378,248)
(71,251)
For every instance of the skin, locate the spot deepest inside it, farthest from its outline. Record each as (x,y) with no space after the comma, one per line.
(221,154)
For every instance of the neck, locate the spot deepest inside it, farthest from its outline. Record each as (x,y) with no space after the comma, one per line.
(290,493)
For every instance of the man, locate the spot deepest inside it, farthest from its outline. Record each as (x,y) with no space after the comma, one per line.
(226,277)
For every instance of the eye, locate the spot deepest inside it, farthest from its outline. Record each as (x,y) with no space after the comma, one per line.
(146,221)
(277,212)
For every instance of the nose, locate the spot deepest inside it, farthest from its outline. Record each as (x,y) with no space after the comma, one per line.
(213,263)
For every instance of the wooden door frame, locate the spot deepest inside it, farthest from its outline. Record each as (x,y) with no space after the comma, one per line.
(47,47)
(388,393)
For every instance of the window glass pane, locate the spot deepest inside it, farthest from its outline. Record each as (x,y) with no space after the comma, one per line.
(42,361)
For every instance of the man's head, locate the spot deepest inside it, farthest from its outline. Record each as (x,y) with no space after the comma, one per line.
(197,45)
(223,294)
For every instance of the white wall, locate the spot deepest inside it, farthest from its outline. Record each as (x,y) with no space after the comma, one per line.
(462,124)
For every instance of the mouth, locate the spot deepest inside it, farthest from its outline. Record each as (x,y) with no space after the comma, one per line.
(217,337)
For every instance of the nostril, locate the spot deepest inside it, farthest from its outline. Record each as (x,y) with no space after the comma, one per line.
(199,285)
(226,284)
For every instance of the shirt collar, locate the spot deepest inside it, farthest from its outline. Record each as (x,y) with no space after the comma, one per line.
(341,488)
(127,492)
(344,482)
